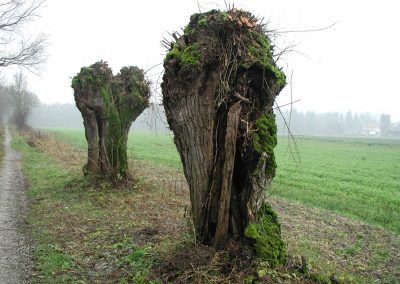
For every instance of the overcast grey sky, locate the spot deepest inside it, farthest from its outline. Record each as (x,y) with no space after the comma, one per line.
(351,66)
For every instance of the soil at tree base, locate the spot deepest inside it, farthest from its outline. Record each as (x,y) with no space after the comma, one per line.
(14,245)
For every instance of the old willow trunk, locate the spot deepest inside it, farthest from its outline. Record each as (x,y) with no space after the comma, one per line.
(109,104)
(219,87)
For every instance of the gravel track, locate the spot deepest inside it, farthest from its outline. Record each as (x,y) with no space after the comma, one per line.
(15,265)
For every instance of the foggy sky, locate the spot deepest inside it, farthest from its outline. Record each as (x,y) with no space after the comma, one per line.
(351,66)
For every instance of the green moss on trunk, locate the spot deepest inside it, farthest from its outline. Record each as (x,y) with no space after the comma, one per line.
(265,141)
(266,236)
(188,56)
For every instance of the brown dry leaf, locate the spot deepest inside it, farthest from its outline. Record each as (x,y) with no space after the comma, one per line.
(247,22)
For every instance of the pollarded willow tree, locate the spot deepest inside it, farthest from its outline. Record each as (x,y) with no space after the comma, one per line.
(109,104)
(219,87)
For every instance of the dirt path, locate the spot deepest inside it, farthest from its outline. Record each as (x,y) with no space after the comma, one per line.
(14,246)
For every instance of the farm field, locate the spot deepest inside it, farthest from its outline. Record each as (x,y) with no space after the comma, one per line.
(356,177)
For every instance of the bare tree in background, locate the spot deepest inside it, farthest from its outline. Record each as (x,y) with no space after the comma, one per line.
(21,100)
(3,103)
(15,48)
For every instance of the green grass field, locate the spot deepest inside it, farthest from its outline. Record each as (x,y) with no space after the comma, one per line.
(355,177)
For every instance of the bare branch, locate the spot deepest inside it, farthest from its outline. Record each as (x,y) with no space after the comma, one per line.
(18,12)
(306,30)
(287,104)
(14,49)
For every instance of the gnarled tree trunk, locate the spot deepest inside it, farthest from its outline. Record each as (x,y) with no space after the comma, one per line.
(219,86)
(109,104)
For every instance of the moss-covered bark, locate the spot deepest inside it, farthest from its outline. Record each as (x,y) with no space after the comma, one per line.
(219,86)
(266,236)
(109,104)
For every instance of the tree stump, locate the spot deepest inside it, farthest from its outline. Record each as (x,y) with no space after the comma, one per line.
(109,104)
(219,87)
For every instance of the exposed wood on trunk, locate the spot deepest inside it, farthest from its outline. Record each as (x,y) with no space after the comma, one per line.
(221,233)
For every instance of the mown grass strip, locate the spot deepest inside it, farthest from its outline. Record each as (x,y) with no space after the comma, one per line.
(71,227)
(46,182)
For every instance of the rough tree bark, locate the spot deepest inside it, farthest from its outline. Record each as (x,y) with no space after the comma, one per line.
(109,104)
(219,86)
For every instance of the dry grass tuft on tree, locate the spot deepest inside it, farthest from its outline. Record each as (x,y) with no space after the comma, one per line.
(109,104)
(219,86)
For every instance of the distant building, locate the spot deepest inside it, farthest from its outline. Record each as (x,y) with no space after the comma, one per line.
(372,129)
(394,129)
(385,124)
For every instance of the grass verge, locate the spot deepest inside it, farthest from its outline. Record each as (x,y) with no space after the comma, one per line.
(87,231)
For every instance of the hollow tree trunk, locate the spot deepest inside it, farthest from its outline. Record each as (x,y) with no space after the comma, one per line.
(219,86)
(109,104)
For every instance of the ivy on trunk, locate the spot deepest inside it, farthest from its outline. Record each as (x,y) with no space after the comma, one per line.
(109,104)
(219,87)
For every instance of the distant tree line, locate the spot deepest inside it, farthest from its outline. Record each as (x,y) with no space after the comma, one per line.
(67,115)
(56,115)
(328,123)
(301,122)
